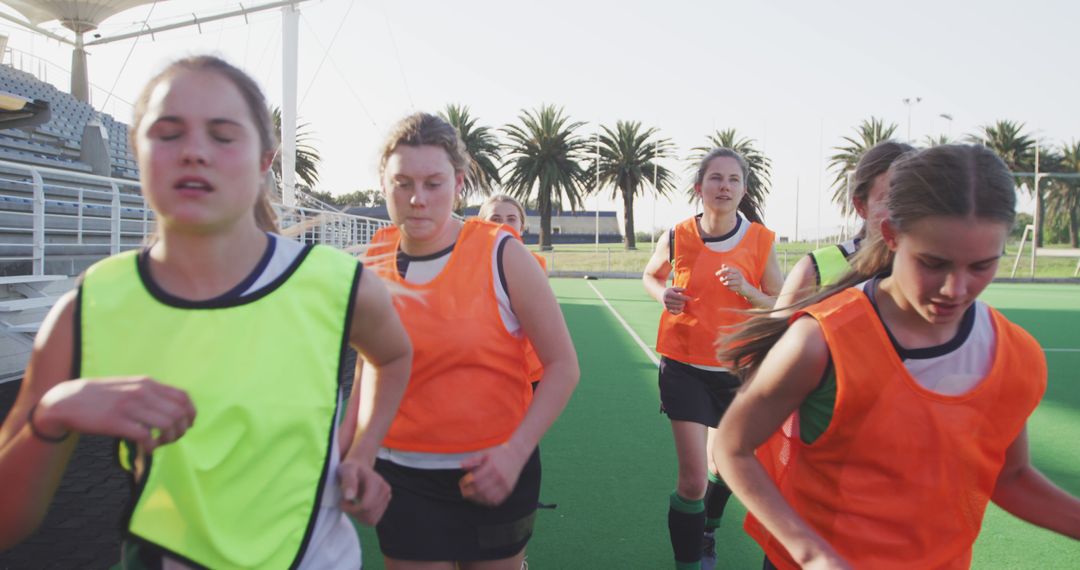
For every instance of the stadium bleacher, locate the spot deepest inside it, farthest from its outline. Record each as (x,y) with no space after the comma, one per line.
(58,142)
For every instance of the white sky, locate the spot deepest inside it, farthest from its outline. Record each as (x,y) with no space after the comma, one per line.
(795,76)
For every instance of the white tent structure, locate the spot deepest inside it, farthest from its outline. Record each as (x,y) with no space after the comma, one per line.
(82,16)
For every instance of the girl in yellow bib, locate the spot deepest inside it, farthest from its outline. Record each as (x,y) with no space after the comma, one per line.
(215,353)
(725,264)
(461,454)
(869,191)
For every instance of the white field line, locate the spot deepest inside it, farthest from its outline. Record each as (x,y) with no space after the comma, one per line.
(1061,350)
(644,347)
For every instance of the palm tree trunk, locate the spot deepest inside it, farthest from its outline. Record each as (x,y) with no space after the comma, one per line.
(1040,220)
(629,239)
(545,217)
(1073,227)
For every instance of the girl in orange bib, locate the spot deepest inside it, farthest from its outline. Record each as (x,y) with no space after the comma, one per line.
(891,408)
(725,264)
(461,454)
(503,209)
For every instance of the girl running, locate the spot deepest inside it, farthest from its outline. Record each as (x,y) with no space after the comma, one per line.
(824,266)
(503,209)
(461,454)
(725,264)
(222,316)
(912,396)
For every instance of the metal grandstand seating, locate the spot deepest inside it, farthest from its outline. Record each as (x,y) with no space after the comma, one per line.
(56,143)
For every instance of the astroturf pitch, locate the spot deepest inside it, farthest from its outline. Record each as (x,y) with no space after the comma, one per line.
(609,461)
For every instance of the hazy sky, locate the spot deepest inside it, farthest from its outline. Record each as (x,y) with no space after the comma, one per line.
(795,76)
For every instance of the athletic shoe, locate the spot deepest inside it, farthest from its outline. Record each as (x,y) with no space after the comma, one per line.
(708,551)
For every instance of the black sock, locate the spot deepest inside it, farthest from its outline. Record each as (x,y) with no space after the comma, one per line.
(716,498)
(686,523)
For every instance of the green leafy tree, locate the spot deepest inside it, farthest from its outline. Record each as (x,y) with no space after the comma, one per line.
(307,157)
(543,163)
(758,183)
(869,133)
(483,146)
(629,164)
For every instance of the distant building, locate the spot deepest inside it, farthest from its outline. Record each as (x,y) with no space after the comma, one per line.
(569,227)
(566,227)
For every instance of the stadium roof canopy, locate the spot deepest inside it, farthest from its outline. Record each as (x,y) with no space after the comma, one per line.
(77,15)
(82,16)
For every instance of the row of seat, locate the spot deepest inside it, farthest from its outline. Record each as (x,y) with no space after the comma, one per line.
(64,131)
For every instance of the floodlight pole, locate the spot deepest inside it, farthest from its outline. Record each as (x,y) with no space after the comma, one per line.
(796,209)
(948,117)
(1037,234)
(656,192)
(910,102)
(597,190)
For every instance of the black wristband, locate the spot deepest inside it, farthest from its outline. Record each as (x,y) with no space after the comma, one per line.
(42,436)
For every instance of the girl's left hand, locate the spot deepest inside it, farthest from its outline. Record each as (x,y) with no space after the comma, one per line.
(732,278)
(365,494)
(491,475)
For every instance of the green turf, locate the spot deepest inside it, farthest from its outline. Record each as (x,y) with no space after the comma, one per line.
(609,461)
(1050,313)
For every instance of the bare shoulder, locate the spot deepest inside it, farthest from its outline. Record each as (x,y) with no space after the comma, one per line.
(523,273)
(794,365)
(659,264)
(58,329)
(51,361)
(802,275)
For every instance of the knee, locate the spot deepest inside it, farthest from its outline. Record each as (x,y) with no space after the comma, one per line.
(692,483)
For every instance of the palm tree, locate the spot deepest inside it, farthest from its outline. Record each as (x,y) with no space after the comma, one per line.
(307,157)
(628,163)
(758,181)
(869,133)
(1064,195)
(1007,140)
(483,147)
(544,159)
(930,141)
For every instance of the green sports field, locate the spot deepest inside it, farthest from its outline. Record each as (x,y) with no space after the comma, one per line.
(609,462)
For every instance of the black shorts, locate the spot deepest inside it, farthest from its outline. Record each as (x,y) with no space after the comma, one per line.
(429,520)
(691,394)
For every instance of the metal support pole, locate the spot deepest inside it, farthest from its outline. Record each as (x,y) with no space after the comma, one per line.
(114,221)
(38,245)
(290,26)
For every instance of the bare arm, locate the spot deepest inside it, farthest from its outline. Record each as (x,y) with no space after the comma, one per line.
(655,279)
(788,374)
(494,472)
(800,284)
(30,468)
(384,361)
(1026,493)
(771,282)
(131,407)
